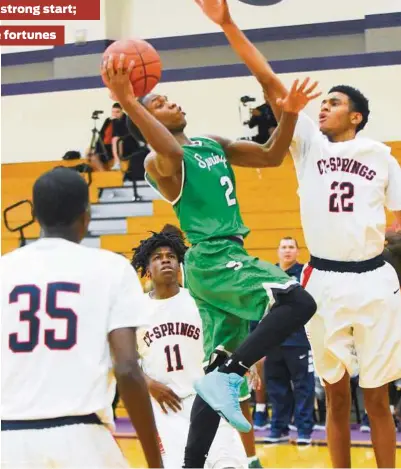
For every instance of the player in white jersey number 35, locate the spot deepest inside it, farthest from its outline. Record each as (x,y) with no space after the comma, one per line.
(66,310)
(345,183)
(171,352)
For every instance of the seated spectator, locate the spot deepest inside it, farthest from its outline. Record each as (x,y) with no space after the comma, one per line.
(112,130)
(136,149)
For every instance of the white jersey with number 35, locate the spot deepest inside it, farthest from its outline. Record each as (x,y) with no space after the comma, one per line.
(171,346)
(343,189)
(59,302)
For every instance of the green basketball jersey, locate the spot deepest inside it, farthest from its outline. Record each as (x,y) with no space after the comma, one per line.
(207,206)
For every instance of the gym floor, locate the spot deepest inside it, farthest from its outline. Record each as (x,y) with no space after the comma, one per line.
(283,455)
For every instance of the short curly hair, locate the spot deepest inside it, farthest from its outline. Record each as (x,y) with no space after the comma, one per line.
(359,102)
(143,252)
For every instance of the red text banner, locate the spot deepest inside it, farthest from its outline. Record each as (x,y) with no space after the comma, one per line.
(32,35)
(50,9)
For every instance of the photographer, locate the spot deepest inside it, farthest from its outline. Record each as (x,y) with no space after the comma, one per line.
(112,130)
(263,118)
(136,147)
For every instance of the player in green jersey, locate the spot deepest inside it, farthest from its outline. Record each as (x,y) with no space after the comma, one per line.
(344,115)
(229,286)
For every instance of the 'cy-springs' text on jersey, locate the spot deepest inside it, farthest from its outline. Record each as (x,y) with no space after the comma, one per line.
(343,189)
(207,206)
(171,345)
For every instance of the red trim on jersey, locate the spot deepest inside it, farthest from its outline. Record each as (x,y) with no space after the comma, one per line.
(161,447)
(306,275)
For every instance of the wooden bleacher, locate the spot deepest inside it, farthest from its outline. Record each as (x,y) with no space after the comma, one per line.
(17,183)
(267,197)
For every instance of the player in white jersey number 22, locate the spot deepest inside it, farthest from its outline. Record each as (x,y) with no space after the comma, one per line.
(66,309)
(345,183)
(171,353)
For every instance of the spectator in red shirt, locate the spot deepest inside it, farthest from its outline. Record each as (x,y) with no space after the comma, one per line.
(112,130)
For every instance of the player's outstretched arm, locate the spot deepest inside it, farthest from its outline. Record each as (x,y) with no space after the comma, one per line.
(218,12)
(134,391)
(168,152)
(272,153)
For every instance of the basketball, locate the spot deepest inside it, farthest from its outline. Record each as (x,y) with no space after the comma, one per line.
(148,68)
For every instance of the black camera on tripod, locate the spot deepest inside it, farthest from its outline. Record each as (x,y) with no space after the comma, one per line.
(97,143)
(96,114)
(244,100)
(247,99)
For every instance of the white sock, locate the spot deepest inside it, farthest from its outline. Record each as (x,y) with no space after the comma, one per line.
(252,459)
(260,407)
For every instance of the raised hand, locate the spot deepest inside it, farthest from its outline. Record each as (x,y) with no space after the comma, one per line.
(117,77)
(215,10)
(298,97)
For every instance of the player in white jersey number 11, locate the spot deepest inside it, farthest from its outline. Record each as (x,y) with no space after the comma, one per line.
(344,185)
(171,354)
(66,311)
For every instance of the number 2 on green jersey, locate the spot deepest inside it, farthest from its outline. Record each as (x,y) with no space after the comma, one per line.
(226,181)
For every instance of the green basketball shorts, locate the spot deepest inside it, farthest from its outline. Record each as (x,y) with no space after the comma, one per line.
(230,288)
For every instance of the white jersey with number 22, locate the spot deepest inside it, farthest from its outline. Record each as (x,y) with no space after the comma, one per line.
(343,189)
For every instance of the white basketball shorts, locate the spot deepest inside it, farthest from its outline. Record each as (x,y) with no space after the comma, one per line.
(357,326)
(226,451)
(68,447)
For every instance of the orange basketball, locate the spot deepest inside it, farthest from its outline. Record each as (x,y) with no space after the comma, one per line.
(148,68)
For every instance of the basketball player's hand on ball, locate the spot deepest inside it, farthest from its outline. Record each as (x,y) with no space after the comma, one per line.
(298,97)
(164,396)
(116,75)
(216,10)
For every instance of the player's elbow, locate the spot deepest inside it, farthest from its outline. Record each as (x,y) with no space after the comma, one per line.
(128,370)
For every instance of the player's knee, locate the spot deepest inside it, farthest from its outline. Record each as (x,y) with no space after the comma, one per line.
(376,402)
(308,303)
(305,304)
(339,405)
(338,399)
